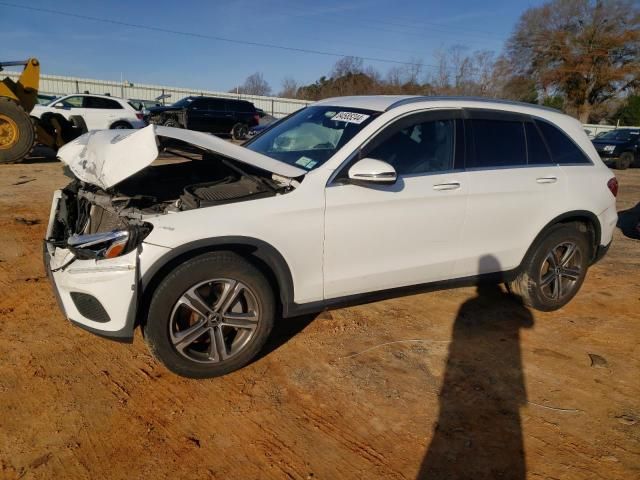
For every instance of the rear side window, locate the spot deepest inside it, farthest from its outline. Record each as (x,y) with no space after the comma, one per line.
(244,107)
(103,103)
(563,150)
(216,105)
(497,143)
(537,153)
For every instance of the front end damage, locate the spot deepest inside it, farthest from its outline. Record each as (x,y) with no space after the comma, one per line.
(94,245)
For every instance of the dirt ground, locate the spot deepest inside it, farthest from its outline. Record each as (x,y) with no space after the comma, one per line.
(449,384)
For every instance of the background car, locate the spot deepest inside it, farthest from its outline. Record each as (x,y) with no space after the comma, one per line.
(99,112)
(620,147)
(221,116)
(45,99)
(144,105)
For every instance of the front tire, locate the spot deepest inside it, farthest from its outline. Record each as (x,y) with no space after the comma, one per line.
(553,272)
(172,122)
(210,316)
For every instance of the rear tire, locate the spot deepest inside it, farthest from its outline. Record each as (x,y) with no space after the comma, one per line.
(121,126)
(17,132)
(239,131)
(625,161)
(196,326)
(553,272)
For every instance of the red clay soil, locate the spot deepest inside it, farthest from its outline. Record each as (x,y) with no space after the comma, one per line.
(449,384)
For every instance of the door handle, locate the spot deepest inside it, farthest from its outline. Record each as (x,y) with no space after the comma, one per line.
(447,186)
(547,179)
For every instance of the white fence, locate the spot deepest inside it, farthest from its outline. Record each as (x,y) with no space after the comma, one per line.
(58,85)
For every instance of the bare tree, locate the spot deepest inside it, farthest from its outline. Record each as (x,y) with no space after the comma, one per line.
(588,50)
(289,88)
(255,84)
(347,66)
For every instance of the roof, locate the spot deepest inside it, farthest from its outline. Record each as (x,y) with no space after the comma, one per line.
(369,102)
(384,103)
(112,97)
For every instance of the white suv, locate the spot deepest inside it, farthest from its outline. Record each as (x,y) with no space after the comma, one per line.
(99,112)
(342,202)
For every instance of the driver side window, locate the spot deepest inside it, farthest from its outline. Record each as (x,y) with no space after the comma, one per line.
(417,145)
(71,102)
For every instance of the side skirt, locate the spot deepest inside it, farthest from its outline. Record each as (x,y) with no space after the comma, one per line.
(297,309)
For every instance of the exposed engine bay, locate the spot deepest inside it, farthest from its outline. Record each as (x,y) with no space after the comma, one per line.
(203,179)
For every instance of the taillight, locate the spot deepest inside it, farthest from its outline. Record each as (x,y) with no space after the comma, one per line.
(139,116)
(256,117)
(613,186)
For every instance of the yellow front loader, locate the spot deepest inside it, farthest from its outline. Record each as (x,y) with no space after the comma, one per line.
(19,132)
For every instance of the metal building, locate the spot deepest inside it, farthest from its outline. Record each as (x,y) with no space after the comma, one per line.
(59,85)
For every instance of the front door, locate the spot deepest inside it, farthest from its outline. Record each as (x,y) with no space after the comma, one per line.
(381,237)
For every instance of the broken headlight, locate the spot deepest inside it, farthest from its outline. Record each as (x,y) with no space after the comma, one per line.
(99,246)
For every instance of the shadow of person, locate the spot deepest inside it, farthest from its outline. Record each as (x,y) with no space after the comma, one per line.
(478,434)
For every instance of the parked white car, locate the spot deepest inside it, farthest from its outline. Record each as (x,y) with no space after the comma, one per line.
(342,202)
(100,112)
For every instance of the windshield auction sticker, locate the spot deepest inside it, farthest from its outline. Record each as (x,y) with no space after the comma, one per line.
(349,117)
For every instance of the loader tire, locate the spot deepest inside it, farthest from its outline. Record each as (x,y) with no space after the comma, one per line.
(17,132)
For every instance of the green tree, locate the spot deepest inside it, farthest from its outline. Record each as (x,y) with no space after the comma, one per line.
(629,114)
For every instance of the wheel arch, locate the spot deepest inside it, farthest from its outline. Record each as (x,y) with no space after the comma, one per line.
(589,219)
(260,253)
(126,122)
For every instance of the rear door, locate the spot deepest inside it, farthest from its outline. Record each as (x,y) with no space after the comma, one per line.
(100,113)
(514,189)
(384,236)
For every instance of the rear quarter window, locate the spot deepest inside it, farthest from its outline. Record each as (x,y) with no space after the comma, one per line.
(243,107)
(563,150)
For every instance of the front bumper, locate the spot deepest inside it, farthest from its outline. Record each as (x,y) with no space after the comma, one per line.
(99,296)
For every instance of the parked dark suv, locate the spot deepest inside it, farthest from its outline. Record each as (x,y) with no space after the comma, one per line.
(208,114)
(620,147)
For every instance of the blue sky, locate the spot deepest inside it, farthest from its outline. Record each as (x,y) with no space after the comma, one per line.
(399,31)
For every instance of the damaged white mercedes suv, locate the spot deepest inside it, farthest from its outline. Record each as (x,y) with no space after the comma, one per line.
(342,202)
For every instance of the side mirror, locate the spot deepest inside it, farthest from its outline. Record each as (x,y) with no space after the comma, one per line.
(59,105)
(372,171)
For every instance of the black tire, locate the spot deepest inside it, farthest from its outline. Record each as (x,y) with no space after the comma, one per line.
(239,131)
(537,280)
(17,132)
(172,122)
(625,161)
(170,317)
(121,126)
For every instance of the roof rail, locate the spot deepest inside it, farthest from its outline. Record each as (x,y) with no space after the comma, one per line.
(406,101)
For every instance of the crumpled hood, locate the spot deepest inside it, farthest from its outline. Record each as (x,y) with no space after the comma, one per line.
(106,157)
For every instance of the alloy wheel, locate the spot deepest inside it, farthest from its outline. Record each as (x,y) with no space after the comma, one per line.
(214,320)
(561,271)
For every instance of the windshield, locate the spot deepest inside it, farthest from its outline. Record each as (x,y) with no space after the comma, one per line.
(183,103)
(623,135)
(309,137)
